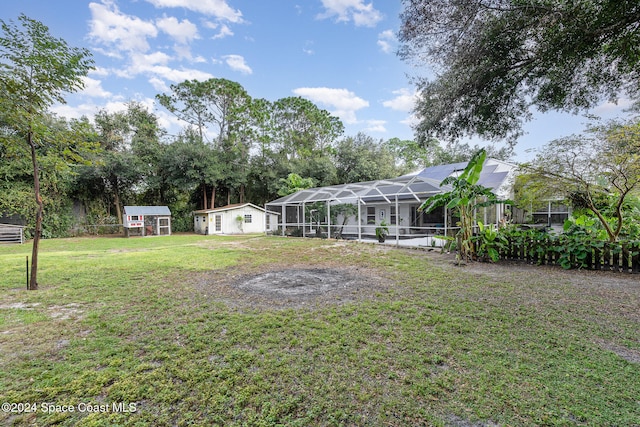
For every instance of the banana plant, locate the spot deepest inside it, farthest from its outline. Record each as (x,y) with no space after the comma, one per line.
(465,197)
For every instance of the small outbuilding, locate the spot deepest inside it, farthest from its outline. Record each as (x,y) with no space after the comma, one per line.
(10,233)
(147,220)
(235,219)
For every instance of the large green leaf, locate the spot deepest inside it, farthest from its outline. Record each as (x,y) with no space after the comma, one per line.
(471,173)
(453,203)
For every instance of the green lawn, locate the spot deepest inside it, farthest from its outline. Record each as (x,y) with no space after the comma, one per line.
(158,327)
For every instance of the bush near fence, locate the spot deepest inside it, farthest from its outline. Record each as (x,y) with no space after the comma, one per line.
(568,251)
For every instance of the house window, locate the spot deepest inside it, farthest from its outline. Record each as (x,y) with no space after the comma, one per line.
(135,218)
(247,219)
(268,222)
(371,215)
(218,222)
(392,215)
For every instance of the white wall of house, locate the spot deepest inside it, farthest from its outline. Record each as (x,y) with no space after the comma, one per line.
(200,223)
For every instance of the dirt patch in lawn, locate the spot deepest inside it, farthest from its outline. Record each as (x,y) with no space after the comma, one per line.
(299,282)
(628,354)
(293,286)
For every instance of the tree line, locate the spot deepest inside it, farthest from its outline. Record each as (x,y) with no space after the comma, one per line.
(233,148)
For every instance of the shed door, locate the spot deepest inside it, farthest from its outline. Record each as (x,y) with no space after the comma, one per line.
(218,223)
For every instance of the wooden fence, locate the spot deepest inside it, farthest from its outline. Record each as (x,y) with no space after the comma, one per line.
(11,233)
(619,257)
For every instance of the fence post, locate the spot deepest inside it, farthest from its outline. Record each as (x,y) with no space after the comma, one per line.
(589,260)
(635,259)
(597,259)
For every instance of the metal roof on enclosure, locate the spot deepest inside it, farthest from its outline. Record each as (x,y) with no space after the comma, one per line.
(405,187)
(418,186)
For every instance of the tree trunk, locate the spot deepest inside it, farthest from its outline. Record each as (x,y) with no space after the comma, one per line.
(466,233)
(213,197)
(116,202)
(241,193)
(204,197)
(603,221)
(33,284)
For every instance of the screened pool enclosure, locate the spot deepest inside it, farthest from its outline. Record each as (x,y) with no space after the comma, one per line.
(354,211)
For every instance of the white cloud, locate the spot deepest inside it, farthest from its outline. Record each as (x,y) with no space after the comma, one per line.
(351,10)
(155,66)
(375,126)
(141,63)
(217,8)
(308,48)
(181,31)
(99,71)
(75,112)
(112,28)
(404,101)
(93,88)
(610,108)
(178,75)
(159,84)
(224,31)
(155,58)
(412,121)
(385,46)
(344,102)
(88,110)
(237,63)
(166,120)
(107,52)
(169,122)
(183,51)
(386,41)
(388,35)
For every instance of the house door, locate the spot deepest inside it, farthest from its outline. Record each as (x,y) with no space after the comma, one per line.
(218,223)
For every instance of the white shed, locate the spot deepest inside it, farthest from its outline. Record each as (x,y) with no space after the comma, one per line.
(235,219)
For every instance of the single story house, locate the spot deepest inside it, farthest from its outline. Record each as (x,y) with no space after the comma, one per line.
(147,220)
(394,201)
(237,218)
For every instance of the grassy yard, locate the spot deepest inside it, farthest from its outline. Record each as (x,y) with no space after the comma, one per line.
(161,331)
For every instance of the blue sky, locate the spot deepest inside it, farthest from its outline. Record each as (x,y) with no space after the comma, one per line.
(340,54)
